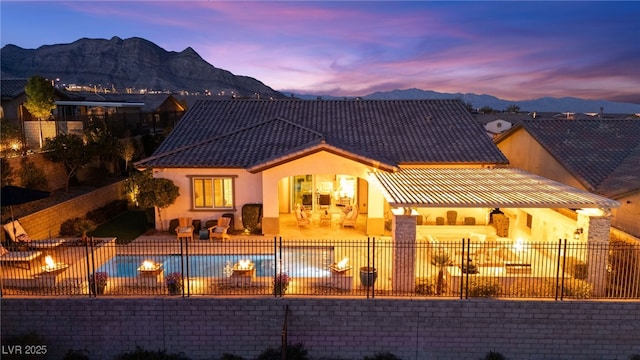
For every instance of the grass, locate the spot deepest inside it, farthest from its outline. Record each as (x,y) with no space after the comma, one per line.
(126,227)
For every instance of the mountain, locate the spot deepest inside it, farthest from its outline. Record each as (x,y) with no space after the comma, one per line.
(130,63)
(546,104)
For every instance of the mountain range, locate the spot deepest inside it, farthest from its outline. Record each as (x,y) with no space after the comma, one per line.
(140,64)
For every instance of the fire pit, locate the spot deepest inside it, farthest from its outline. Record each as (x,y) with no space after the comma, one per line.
(52,266)
(341,267)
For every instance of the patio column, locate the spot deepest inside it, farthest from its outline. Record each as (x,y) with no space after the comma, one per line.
(403,233)
(595,229)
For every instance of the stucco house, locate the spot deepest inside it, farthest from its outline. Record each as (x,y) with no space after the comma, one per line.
(395,161)
(601,156)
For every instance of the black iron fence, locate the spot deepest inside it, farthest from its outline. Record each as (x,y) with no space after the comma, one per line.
(356,268)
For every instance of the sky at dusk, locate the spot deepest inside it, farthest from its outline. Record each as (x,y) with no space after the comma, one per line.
(510,49)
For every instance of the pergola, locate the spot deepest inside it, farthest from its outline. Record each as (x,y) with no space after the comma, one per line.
(482,188)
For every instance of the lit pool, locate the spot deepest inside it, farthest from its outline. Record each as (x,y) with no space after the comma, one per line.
(297,262)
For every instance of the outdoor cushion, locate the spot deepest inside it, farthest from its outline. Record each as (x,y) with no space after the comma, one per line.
(3,251)
(19,235)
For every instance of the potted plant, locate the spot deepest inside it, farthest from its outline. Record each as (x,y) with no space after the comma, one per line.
(280,284)
(441,260)
(368,275)
(98,282)
(174,283)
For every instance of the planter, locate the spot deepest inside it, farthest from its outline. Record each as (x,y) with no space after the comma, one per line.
(174,290)
(99,290)
(368,276)
(280,290)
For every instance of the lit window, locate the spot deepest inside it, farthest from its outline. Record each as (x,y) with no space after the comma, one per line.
(213,193)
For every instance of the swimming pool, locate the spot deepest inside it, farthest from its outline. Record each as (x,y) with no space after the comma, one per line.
(297,262)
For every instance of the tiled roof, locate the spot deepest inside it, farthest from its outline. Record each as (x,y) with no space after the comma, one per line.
(248,133)
(482,187)
(603,154)
(12,88)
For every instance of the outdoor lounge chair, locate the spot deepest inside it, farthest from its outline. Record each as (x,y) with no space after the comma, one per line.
(351,216)
(219,231)
(19,237)
(17,258)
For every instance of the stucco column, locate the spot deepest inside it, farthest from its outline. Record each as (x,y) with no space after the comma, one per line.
(270,213)
(403,233)
(595,229)
(375,215)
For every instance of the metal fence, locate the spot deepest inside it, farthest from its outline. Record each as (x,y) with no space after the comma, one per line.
(355,268)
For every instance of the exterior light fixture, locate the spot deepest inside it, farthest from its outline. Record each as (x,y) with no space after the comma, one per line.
(577,234)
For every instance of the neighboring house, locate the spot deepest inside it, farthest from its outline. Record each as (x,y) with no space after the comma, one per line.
(498,123)
(601,156)
(139,113)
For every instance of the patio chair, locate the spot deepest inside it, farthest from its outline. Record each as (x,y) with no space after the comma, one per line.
(16,258)
(19,238)
(185,228)
(219,231)
(351,217)
(303,217)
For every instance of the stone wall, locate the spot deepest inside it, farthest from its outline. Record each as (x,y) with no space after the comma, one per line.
(412,329)
(46,223)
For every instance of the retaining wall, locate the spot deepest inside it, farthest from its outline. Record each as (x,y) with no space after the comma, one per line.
(46,223)
(205,328)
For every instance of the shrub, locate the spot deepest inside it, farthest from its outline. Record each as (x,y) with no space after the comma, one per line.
(426,285)
(32,177)
(294,352)
(107,212)
(481,287)
(382,356)
(68,227)
(578,269)
(527,288)
(491,355)
(82,354)
(228,356)
(141,354)
(578,289)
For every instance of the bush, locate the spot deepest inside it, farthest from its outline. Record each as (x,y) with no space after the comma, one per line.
(578,269)
(76,355)
(382,356)
(141,354)
(228,356)
(294,352)
(32,177)
(491,355)
(68,227)
(481,287)
(578,289)
(527,288)
(107,212)
(426,285)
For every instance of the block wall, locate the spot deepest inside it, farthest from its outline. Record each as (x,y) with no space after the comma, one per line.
(418,329)
(45,223)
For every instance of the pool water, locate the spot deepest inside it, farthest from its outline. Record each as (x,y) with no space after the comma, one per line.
(312,262)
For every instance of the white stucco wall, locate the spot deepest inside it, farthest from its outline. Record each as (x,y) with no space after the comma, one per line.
(247,190)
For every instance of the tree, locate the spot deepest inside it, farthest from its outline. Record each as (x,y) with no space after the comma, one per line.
(512,109)
(39,100)
(441,260)
(71,151)
(153,192)
(127,152)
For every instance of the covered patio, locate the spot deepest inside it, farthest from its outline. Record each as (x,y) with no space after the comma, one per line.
(532,209)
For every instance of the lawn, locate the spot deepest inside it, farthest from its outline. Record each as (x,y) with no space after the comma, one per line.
(126,227)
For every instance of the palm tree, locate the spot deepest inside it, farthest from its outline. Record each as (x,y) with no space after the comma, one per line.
(441,259)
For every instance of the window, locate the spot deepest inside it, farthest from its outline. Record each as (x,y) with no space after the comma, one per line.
(213,193)
(529,220)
